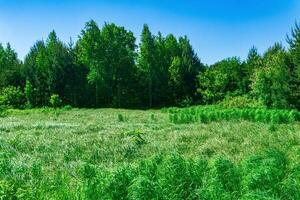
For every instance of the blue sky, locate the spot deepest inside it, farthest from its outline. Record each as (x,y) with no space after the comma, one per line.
(217,28)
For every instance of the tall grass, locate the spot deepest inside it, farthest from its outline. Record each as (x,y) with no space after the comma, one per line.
(90,154)
(207,114)
(265,176)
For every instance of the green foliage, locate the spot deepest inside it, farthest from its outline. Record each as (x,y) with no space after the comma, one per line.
(10,67)
(240,102)
(207,114)
(12,97)
(118,185)
(264,173)
(137,136)
(270,84)
(294,65)
(104,68)
(80,155)
(223,181)
(121,118)
(3,111)
(111,64)
(67,107)
(55,101)
(29,94)
(221,79)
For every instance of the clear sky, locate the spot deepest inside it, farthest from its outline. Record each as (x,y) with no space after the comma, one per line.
(217,28)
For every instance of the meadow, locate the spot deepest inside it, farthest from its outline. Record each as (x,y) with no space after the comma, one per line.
(192,153)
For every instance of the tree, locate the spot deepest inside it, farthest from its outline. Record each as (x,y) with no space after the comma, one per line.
(294,65)
(147,63)
(89,52)
(10,67)
(119,63)
(270,84)
(109,54)
(48,67)
(190,69)
(253,62)
(221,79)
(35,71)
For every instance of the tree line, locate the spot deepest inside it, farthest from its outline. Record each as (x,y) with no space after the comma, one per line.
(105,68)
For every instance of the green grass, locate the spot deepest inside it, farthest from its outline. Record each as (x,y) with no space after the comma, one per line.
(205,114)
(132,154)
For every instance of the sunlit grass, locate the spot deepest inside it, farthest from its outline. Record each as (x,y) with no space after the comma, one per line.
(132,154)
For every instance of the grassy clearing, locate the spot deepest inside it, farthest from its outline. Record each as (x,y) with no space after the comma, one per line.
(128,154)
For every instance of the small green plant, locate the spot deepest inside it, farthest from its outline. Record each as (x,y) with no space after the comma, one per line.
(121,118)
(67,107)
(55,101)
(3,111)
(272,128)
(137,135)
(153,117)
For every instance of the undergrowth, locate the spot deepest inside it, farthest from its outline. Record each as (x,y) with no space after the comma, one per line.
(267,175)
(205,114)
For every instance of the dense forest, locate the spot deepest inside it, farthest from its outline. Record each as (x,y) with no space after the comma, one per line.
(106,68)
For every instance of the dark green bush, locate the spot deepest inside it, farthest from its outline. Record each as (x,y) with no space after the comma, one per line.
(121,118)
(67,107)
(3,111)
(12,97)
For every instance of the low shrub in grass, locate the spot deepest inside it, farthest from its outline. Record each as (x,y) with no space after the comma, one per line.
(67,108)
(137,136)
(3,111)
(121,118)
(55,101)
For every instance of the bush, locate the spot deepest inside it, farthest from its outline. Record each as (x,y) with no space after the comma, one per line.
(121,118)
(55,101)
(186,102)
(240,102)
(67,107)
(2,111)
(12,97)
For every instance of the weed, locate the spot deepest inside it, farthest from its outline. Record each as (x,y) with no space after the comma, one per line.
(121,118)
